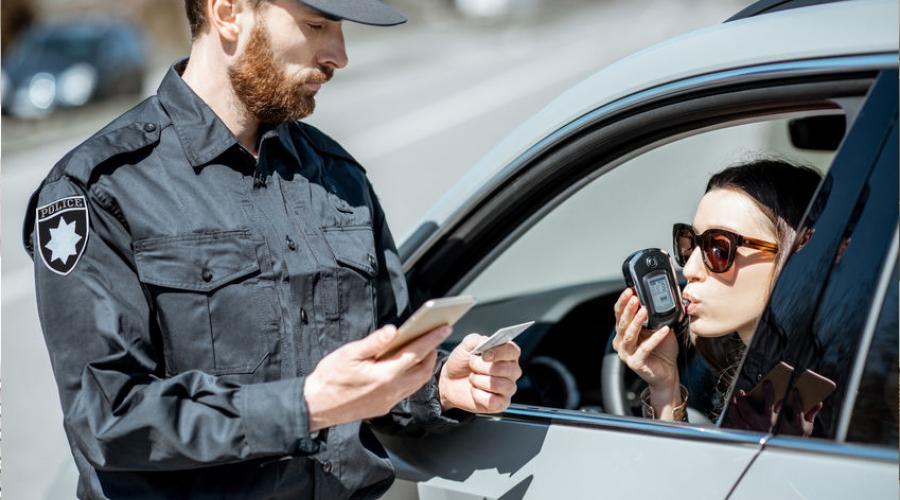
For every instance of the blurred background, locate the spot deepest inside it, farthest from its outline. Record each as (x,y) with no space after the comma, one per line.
(417,106)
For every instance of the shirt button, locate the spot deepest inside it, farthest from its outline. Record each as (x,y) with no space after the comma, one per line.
(149,127)
(206,275)
(290,244)
(303,317)
(372,261)
(327,467)
(758,377)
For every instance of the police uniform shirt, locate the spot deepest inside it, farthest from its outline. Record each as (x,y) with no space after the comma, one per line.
(185,289)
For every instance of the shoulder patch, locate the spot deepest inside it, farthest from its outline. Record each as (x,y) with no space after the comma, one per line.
(62,229)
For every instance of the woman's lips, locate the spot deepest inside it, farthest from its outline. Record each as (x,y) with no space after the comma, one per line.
(690,308)
(690,303)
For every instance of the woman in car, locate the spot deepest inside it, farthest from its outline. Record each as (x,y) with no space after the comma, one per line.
(742,233)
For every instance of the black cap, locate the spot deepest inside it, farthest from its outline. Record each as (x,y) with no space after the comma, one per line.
(373,12)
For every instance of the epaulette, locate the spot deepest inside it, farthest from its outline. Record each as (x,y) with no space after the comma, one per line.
(104,146)
(324,144)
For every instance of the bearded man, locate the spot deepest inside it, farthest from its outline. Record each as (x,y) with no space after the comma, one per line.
(215,280)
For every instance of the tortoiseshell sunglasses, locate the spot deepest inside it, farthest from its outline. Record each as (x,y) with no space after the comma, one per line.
(718,246)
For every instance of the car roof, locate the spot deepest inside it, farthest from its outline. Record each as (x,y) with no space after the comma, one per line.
(831,29)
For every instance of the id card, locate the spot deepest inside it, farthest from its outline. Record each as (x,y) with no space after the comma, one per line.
(501,337)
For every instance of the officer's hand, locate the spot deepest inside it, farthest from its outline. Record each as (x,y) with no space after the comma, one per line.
(479,384)
(350,384)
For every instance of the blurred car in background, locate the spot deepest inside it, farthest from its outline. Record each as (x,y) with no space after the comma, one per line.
(72,63)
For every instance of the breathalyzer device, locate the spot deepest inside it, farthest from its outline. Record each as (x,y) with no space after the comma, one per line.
(651,273)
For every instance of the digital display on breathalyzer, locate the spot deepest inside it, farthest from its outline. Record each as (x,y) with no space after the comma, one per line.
(660,292)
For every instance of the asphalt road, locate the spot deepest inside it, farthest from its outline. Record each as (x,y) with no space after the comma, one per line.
(417,107)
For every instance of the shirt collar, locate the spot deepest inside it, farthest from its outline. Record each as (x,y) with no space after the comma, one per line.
(202,134)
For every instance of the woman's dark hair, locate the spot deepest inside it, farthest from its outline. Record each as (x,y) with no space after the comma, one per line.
(782,191)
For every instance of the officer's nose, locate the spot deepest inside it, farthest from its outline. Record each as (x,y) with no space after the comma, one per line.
(334,53)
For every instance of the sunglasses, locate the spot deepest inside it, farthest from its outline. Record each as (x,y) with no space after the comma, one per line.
(718,246)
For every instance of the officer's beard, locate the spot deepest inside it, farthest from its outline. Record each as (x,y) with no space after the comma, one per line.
(264,89)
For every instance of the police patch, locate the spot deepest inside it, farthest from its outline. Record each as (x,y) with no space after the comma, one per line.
(62,233)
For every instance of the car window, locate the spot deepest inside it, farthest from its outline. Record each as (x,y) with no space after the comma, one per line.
(874,418)
(565,269)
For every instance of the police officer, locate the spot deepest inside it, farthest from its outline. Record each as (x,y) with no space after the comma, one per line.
(208,272)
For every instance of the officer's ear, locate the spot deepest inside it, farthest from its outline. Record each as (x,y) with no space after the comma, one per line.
(225,18)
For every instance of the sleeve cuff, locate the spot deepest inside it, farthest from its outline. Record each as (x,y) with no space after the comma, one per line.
(430,396)
(276,419)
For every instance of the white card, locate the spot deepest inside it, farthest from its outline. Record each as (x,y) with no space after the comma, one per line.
(501,337)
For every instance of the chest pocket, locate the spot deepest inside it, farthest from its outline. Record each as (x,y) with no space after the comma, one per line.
(350,296)
(217,306)
(341,213)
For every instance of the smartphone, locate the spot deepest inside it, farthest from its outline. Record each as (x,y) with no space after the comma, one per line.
(433,314)
(501,337)
(814,388)
(651,273)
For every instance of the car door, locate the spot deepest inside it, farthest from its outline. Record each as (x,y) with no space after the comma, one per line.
(840,324)
(577,450)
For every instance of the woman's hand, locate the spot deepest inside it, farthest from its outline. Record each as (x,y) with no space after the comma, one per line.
(744,415)
(652,355)
(801,424)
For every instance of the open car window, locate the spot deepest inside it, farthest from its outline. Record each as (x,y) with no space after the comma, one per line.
(565,268)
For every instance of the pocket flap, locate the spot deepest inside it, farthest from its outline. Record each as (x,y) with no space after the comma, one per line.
(353,247)
(200,262)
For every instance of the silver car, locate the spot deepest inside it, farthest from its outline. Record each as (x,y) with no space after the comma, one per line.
(539,228)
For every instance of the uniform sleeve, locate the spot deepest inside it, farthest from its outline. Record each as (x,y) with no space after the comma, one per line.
(119,408)
(420,413)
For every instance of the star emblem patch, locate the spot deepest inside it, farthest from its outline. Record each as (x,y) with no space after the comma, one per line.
(62,233)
